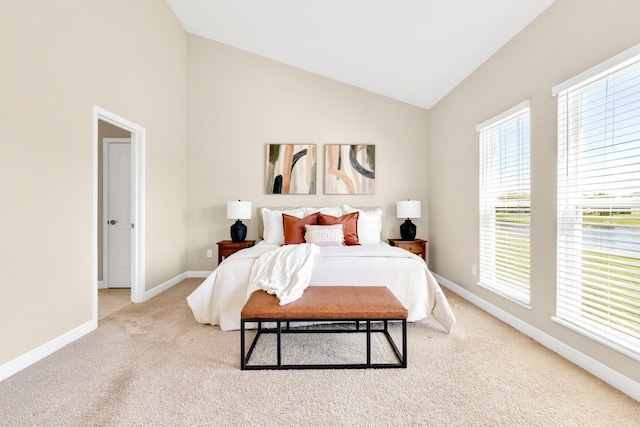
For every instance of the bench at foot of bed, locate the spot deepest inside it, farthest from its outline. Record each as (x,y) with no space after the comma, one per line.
(368,305)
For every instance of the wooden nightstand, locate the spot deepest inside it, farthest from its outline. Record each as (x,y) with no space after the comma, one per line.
(417,246)
(228,247)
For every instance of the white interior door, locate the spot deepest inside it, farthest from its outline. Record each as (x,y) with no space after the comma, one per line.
(118,207)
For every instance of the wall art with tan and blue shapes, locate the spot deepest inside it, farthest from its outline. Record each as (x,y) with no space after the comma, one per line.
(350,169)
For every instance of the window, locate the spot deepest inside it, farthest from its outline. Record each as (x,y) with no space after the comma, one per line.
(505,203)
(598,274)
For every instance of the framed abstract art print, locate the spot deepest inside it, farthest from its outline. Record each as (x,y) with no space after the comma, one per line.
(350,169)
(291,169)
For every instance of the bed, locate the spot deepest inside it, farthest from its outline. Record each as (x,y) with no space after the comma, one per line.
(220,298)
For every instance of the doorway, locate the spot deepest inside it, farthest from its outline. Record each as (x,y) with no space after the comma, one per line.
(118,212)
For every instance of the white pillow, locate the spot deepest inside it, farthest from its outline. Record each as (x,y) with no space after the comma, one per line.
(325,235)
(272,222)
(369,224)
(336,211)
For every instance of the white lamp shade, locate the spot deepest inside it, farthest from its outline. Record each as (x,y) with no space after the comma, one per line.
(238,210)
(408,209)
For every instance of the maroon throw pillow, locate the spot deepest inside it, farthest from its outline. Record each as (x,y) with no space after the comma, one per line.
(294,227)
(350,222)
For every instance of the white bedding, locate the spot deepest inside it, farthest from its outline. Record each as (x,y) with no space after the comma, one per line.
(284,272)
(220,298)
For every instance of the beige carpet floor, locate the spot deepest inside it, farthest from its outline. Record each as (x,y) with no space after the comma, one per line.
(151,364)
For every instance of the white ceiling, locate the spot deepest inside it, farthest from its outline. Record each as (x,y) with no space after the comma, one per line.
(415,51)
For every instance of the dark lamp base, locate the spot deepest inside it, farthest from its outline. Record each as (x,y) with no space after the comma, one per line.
(238,231)
(408,230)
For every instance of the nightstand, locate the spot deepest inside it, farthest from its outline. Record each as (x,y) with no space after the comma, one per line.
(417,246)
(229,247)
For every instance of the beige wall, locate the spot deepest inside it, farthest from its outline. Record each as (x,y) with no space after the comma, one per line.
(238,102)
(55,68)
(105,130)
(568,38)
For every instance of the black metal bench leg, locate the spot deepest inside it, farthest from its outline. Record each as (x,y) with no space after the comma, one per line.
(245,358)
(368,343)
(404,343)
(242,361)
(279,344)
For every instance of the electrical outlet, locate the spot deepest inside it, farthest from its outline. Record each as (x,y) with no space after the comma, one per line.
(209,253)
(474,270)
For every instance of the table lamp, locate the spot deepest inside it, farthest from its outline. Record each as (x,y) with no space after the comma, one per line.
(408,209)
(238,210)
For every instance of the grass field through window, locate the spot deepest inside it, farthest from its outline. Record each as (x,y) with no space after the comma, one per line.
(513,247)
(610,282)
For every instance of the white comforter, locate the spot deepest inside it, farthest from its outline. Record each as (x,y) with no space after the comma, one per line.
(220,298)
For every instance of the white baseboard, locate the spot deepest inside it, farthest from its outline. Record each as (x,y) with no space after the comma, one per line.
(163,287)
(174,281)
(198,274)
(605,373)
(102,284)
(19,363)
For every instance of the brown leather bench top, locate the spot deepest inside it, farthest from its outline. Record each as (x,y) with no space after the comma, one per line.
(326,303)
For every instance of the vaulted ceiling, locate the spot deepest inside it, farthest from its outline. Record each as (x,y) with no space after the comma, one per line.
(415,51)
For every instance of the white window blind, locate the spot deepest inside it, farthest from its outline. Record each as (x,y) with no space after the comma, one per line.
(598,275)
(505,203)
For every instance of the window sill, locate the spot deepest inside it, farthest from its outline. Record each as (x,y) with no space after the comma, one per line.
(506,296)
(592,335)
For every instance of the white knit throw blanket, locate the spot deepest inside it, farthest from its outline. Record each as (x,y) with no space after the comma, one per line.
(284,272)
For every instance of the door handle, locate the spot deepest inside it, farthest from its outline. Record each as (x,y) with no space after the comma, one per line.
(113,222)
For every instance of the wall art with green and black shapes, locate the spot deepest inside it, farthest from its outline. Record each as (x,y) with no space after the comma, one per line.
(291,169)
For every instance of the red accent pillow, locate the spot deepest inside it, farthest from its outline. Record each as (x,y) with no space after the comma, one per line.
(350,222)
(294,227)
